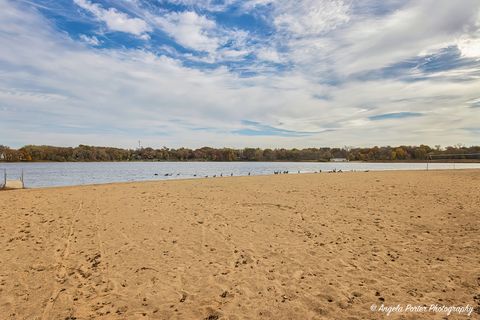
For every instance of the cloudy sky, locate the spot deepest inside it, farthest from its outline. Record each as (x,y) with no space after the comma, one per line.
(236,73)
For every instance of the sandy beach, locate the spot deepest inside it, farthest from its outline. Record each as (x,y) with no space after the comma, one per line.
(309,246)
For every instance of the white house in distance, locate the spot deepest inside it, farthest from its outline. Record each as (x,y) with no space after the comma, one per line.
(338,160)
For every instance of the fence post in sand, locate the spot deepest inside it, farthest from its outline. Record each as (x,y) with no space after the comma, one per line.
(4,178)
(21,178)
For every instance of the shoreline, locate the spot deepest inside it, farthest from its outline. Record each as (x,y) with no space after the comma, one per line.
(272,161)
(236,177)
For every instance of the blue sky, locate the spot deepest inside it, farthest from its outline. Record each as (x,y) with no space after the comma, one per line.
(236,73)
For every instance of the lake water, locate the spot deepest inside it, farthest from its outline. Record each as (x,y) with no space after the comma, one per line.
(49,174)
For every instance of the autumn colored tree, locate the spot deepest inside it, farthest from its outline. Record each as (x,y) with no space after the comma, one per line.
(92,153)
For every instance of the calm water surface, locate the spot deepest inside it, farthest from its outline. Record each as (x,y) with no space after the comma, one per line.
(49,174)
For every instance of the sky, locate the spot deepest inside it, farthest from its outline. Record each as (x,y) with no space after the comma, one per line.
(239,73)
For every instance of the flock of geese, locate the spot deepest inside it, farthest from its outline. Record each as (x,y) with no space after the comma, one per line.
(231,174)
(195,175)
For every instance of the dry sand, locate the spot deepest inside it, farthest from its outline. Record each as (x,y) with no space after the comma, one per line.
(311,246)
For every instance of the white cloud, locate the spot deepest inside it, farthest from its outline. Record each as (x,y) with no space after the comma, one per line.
(210,5)
(190,30)
(198,33)
(310,17)
(90,40)
(403,34)
(338,38)
(115,97)
(469,47)
(252,4)
(115,20)
(268,54)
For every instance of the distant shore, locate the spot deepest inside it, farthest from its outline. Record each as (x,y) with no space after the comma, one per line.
(99,153)
(279,161)
(51,174)
(325,246)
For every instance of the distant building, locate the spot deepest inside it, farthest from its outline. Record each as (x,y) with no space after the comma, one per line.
(338,160)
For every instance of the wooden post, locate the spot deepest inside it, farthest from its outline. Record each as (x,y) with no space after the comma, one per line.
(23,184)
(5,178)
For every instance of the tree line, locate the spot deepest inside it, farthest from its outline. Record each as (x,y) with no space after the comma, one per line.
(93,153)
